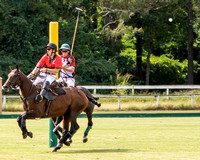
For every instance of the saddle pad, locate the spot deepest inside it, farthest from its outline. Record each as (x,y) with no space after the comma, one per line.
(59,91)
(49,96)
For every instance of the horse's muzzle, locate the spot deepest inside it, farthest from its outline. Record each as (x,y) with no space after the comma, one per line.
(6,88)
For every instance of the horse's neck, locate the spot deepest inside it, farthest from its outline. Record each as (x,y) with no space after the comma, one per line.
(26,86)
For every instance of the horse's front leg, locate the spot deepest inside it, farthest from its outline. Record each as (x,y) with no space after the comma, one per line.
(56,122)
(56,126)
(22,124)
(65,135)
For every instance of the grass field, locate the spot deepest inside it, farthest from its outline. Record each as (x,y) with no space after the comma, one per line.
(110,139)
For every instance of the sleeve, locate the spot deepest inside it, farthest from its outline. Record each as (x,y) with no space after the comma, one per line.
(58,63)
(73,62)
(41,62)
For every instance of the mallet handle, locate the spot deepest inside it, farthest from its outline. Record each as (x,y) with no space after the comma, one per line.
(75,33)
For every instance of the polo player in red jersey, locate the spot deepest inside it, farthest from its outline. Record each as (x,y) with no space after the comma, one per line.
(50,64)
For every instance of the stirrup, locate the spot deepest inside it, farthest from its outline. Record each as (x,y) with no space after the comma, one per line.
(39,98)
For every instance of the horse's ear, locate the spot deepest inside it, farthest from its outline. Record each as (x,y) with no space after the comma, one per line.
(11,68)
(17,68)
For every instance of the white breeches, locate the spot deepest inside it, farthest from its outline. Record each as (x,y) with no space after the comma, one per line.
(45,77)
(69,81)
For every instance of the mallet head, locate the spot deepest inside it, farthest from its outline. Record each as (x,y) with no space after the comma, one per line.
(79,9)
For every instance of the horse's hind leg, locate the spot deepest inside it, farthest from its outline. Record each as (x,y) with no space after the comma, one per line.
(73,129)
(88,112)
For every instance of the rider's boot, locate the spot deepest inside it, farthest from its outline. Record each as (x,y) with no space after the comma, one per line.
(44,90)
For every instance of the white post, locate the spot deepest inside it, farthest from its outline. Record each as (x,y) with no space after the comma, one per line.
(158,101)
(95,91)
(4,102)
(192,99)
(119,101)
(133,91)
(167,92)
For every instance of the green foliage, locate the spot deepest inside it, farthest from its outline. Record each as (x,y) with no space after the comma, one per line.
(167,70)
(100,48)
(95,71)
(122,80)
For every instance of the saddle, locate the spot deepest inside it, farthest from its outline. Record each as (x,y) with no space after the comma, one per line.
(50,95)
(53,91)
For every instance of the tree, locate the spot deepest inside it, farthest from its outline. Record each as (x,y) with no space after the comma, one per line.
(190,42)
(138,11)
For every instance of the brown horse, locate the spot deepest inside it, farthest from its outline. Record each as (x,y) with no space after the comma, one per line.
(69,105)
(89,110)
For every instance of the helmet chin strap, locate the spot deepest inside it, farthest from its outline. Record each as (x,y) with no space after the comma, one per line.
(50,55)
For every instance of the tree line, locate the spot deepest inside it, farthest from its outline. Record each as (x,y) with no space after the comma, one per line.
(117,42)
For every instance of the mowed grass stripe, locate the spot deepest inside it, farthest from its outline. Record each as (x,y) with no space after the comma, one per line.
(109,139)
(121,115)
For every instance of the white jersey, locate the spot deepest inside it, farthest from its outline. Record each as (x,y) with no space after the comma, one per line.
(66,74)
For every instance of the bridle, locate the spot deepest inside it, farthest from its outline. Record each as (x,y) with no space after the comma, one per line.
(12,83)
(14,86)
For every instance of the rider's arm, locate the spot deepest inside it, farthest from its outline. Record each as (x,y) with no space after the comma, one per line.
(35,70)
(58,66)
(50,70)
(71,68)
(68,69)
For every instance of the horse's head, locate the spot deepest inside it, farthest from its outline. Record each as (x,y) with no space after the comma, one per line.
(13,79)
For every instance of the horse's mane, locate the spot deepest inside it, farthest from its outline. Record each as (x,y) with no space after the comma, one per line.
(24,76)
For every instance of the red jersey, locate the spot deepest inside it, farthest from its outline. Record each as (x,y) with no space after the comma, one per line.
(56,62)
(65,60)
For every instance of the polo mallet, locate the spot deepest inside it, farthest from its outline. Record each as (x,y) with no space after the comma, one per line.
(79,9)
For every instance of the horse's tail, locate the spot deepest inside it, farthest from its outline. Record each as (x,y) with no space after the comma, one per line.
(93,101)
(90,97)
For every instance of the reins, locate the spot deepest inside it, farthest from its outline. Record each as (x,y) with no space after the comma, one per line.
(24,99)
(66,75)
(21,97)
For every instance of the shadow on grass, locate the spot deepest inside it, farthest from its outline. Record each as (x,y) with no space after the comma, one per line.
(95,151)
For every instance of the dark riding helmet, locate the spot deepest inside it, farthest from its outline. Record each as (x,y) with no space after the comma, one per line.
(52,45)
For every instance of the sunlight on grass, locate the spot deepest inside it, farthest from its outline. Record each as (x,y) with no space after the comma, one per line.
(129,104)
(110,139)
(139,104)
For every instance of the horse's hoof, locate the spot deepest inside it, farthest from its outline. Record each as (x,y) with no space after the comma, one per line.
(30,134)
(24,135)
(57,147)
(85,139)
(99,104)
(68,143)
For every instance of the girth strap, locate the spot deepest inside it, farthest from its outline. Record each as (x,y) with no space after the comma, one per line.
(47,108)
